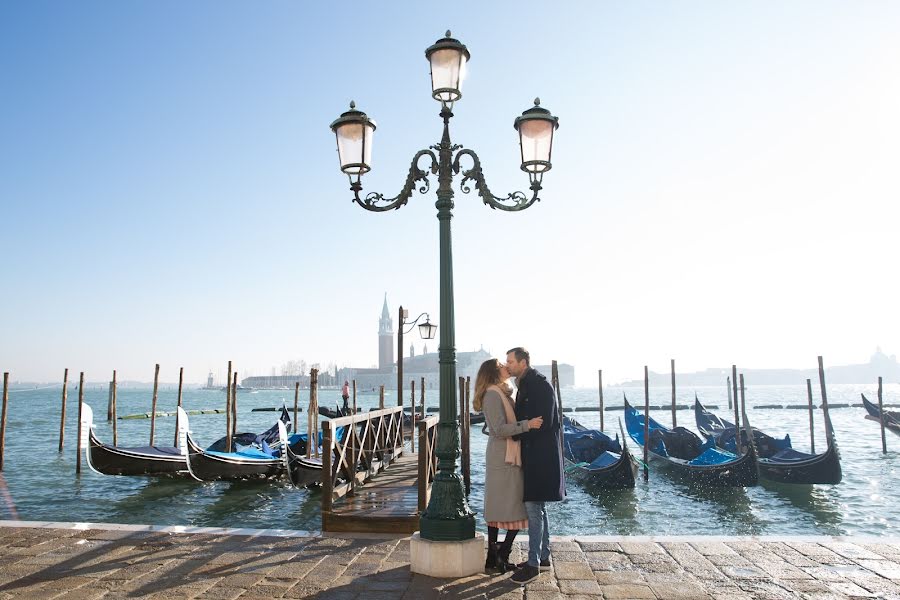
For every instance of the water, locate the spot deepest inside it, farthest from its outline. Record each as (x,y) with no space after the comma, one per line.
(43,487)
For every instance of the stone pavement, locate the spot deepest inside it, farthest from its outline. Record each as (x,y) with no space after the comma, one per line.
(96,561)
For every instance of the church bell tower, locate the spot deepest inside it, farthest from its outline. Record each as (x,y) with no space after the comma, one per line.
(385,339)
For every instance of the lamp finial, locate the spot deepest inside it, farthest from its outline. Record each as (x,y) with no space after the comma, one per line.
(352,104)
(448,33)
(537,101)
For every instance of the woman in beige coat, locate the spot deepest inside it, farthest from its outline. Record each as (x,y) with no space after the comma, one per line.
(503,483)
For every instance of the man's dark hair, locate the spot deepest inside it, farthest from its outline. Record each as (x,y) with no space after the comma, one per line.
(521,354)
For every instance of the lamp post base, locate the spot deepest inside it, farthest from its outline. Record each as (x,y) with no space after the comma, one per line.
(446,559)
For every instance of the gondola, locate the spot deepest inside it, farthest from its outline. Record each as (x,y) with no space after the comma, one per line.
(689,457)
(305,471)
(106,459)
(596,460)
(246,463)
(891,418)
(778,461)
(334,414)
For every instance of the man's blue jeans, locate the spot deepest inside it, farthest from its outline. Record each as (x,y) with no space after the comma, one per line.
(538,533)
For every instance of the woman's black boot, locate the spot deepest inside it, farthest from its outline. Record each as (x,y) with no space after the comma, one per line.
(490,563)
(503,553)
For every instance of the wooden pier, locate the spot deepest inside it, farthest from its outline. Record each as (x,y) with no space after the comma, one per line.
(390,502)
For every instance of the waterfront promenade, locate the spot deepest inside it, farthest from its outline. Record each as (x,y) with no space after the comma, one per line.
(87,561)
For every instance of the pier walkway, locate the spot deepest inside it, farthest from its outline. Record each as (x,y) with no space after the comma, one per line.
(376,484)
(92,561)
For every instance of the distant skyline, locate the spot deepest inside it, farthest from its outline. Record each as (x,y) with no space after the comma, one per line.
(724,187)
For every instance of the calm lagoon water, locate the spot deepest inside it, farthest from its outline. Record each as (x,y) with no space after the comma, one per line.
(42,484)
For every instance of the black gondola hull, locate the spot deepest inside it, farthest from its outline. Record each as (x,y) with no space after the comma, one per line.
(618,476)
(820,468)
(824,468)
(209,467)
(304,472)
(112,460)
(741,472)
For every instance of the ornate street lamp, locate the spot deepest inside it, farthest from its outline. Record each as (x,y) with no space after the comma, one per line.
(426,331)
(447,517)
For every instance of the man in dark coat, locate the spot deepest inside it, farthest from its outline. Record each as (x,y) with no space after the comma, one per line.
(542,462)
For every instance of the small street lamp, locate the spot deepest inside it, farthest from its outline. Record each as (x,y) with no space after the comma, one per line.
(448,516)
(426,331)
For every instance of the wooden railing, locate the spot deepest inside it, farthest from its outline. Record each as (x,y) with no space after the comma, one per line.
(427,458)
(372,440)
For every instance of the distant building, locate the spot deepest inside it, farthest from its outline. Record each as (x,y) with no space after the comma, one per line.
(415,367)
(879,365)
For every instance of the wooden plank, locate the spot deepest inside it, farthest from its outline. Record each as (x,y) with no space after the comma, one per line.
(388,505)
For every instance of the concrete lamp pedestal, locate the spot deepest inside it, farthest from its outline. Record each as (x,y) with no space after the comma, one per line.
(446,559)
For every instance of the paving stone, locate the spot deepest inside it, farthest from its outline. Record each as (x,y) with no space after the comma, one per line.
(600,546)
(712,548)
(607,561)
(678,591)
(885,568)
(745,573)
(850,589)
(853,551)
(568,556)
(641,548)
(572,570)
(626,592)
(618,577)
(579,586)
(763,590)
(782,570)
(564,547)
(544,596)
(542,584)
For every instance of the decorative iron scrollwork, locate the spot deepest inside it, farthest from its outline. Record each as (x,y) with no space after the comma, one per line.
(378,203)
(512,202)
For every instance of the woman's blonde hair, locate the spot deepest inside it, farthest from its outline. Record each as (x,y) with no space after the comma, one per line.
(488,375)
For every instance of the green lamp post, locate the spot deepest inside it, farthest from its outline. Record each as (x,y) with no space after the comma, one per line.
(448,516)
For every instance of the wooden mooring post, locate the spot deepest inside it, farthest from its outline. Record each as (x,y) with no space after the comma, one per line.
(153,408)
(600,377)
(312,418)
(646,423)
(467,417)
(674,418)
(80,408)
(740,425)
(412,406)
(62,414)
(728,385)
(424,411)
(554,379)
(109,393)
(824,394)
(737,417)
(180,388)
(381,398)
(463,462)
(3,419)
(228,410)
(354,396)
(234,406)
(880,418)
(812,430)
(115,409)
(296,403)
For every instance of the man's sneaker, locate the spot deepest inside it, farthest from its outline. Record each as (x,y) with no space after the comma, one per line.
(526,574)
(545,565)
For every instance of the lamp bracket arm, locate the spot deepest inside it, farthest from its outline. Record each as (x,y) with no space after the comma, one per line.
(378,203)
(512,202)
(412,323)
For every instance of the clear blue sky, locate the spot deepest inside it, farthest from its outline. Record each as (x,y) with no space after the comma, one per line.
(725,183)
